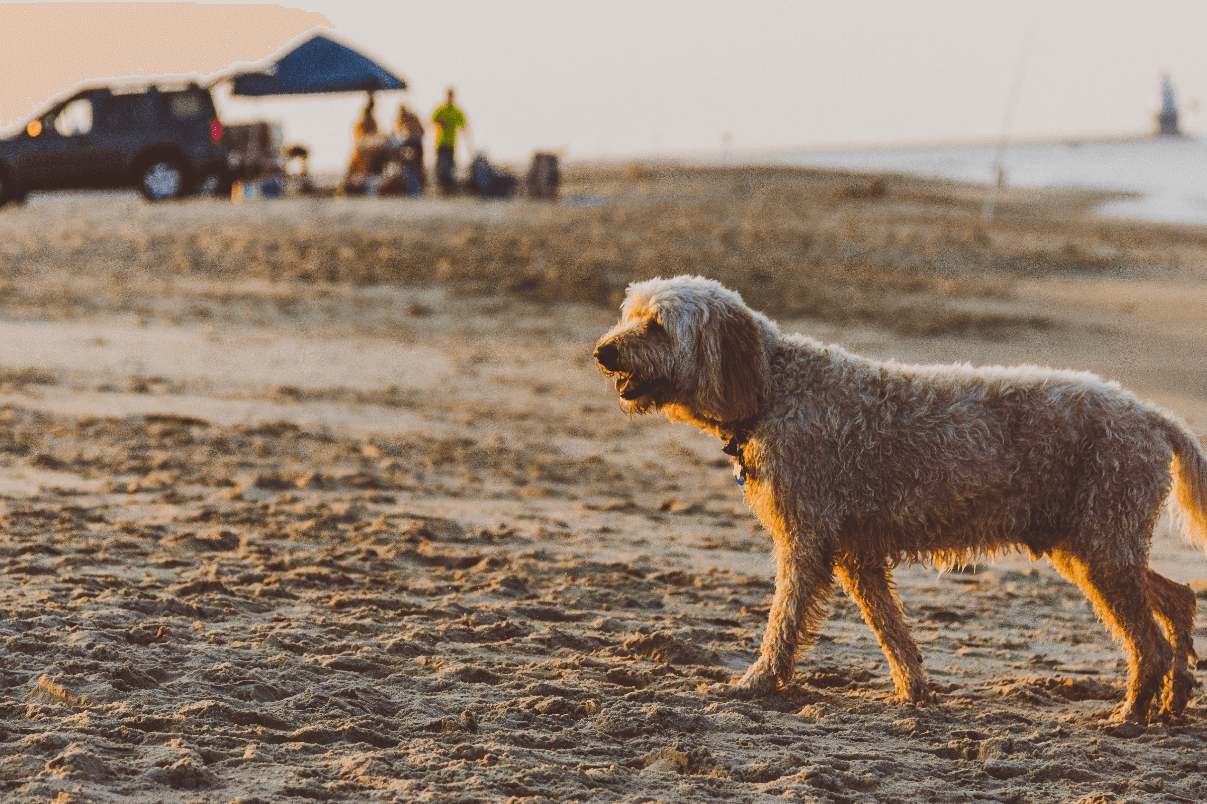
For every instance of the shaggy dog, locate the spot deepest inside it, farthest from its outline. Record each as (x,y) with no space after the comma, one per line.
(855,465)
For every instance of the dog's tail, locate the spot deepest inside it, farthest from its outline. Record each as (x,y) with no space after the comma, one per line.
(1189,468)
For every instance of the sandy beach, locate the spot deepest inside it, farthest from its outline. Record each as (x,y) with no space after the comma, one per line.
(325,500)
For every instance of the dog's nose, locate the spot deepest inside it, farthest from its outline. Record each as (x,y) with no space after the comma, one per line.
(608,356)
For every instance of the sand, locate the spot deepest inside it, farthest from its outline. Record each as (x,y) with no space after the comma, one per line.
(324,500)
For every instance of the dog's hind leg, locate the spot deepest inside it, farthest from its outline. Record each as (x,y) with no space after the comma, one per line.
(1119,594)
(870,585)
(1174,606)
(803,582)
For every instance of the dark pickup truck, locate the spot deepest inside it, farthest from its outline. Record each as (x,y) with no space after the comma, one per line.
(163,142)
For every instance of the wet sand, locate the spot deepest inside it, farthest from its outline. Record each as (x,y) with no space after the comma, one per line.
(324,500)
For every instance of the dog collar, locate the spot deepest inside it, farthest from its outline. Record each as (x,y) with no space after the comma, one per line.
(734,446)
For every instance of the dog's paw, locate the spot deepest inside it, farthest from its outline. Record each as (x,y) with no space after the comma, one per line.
(1179,689)
(1129,712)
(757,682)
(737,690)
(720,690)
(916,692)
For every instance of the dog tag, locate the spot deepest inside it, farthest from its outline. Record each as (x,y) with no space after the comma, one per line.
(734,447)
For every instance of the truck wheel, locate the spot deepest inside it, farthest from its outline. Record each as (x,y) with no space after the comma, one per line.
(162,179)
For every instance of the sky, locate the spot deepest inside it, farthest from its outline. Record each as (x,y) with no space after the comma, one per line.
(660,78)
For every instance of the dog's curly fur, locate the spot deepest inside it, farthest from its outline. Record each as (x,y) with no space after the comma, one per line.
(855,465)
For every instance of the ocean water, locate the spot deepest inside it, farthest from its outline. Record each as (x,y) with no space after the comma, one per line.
(1168,175)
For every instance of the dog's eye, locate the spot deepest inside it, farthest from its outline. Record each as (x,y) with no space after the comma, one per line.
(653,326)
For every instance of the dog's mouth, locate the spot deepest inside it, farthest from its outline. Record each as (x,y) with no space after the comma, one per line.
(632,386)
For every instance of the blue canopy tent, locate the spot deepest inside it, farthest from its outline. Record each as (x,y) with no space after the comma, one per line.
(317,66)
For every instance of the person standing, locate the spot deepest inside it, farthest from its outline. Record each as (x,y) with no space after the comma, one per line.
(368,155)
(410,130)
(366,126)
(448,118)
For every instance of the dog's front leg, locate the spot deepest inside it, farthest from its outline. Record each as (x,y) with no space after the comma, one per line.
(803,582)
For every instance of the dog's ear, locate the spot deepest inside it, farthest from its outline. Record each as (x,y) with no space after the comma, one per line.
(737,366)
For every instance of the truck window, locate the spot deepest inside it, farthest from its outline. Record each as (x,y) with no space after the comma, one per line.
(75,118)
(184,105)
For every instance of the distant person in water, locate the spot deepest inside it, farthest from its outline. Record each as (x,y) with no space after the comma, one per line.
(448,118)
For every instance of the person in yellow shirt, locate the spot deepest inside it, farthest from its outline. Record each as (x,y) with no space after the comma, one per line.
(448,118)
